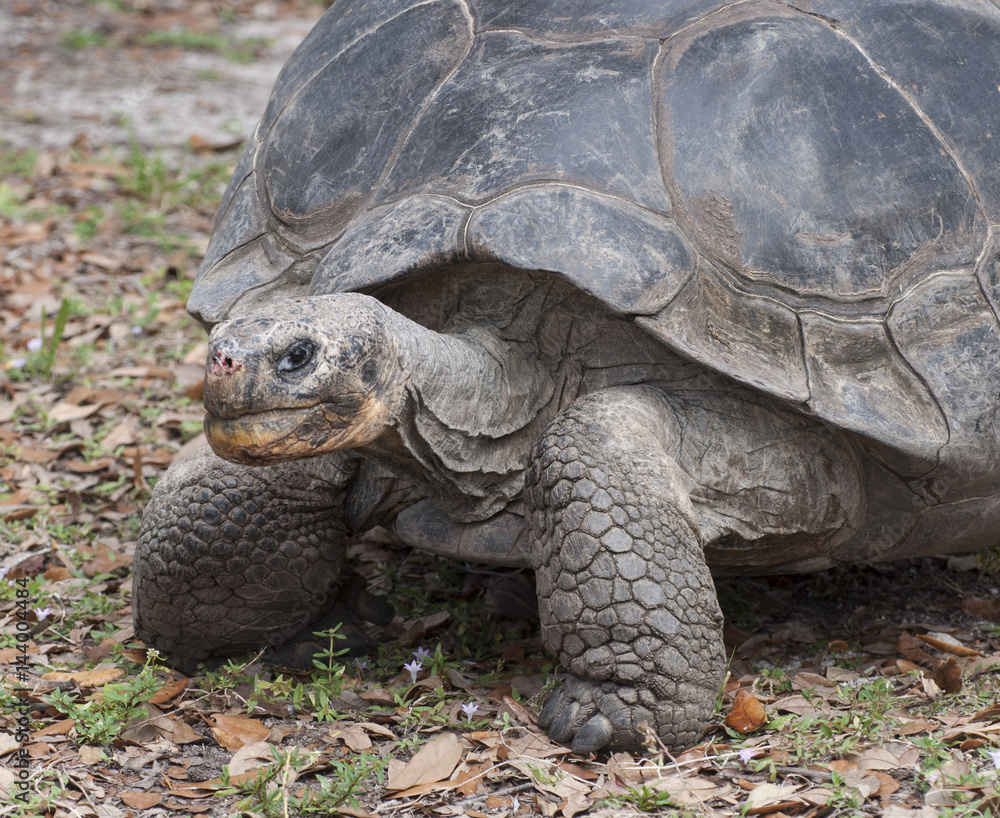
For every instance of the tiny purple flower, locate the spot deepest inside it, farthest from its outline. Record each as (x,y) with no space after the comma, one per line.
(4,572)
(746,754)
(34,345)
(362,664)
(19,363)
(469,710)
(137,330)
(995,756)
(41,613)
(413,668)
(421,654)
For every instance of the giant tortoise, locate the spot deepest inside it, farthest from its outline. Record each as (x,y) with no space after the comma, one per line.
(626,291)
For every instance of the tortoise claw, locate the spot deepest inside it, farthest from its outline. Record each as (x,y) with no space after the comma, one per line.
(563,727)
(551,708)
(594,735)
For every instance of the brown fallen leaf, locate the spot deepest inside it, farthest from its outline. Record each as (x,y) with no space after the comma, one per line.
(251,757)
(433,762)
(86,678)
(948,676)
(353,736)
(914,726)
(59,728)
(766,798)
(980,607)
(64,412)
(232,732)
(169,691)
(948,644)
(747,713)
(140,800)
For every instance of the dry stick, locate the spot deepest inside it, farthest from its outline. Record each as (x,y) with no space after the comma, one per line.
(498,794)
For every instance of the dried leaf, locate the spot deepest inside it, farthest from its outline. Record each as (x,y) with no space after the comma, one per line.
(63,412)
(948,677)
(140,800)
(433,762)
(747,713)
(766,795)
(232,732)
(169,691)
(947,643)
(251,757)
(86,678)
(980,607)
(353,736)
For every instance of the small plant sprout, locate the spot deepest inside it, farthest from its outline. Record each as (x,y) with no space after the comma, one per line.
(413,668)
(469,708)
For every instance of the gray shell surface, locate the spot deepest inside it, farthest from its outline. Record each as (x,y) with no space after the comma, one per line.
(800,196)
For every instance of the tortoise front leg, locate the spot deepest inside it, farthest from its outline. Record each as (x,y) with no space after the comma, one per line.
(626,600)
(235,558)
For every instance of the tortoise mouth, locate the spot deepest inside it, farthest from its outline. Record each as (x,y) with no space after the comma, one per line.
(277,435)
(259,437)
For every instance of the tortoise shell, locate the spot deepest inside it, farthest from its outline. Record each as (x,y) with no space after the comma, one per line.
(800,198)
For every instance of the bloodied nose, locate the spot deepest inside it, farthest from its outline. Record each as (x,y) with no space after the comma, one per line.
(225,360)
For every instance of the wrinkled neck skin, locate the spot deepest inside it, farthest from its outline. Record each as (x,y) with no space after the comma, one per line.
(473,404)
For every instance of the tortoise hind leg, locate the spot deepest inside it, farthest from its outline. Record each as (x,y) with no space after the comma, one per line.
(626,600)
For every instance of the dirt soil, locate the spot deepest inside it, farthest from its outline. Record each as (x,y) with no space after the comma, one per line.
(51,94)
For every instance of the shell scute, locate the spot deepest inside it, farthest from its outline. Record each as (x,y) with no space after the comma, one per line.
(944,57)
(947,333)
(800,167)
(632,260)
(327,150)
(518,111)
(754,336)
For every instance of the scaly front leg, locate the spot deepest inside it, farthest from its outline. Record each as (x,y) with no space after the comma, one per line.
(626,600)
(235,558)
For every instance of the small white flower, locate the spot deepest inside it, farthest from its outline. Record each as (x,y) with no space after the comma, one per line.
(746,754)
(413,668)
(19,363)
(469,710)
(421,654)
(137,330)
(34,345)
(41,613)
(995,757)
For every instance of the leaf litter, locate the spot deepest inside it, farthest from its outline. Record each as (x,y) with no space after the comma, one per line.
(867,690)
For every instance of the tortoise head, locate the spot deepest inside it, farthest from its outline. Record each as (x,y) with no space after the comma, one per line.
(309,376)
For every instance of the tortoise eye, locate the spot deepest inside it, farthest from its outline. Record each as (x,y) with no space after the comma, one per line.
(297,356)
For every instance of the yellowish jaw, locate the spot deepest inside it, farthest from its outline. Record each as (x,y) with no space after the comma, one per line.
(290,434)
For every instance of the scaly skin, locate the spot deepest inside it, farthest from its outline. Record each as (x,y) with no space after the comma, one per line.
(626,600)
(234,559)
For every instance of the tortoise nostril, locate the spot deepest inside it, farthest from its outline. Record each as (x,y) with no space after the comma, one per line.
(222,364)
